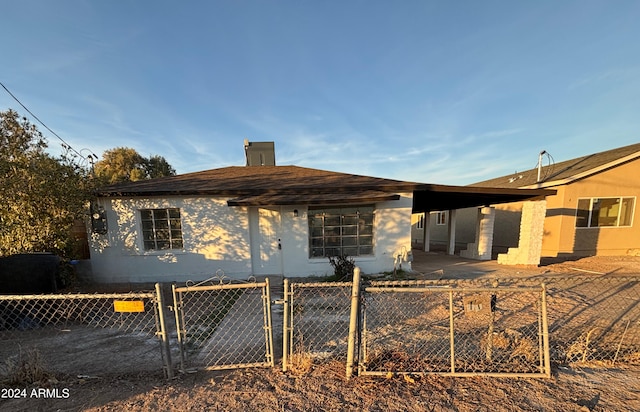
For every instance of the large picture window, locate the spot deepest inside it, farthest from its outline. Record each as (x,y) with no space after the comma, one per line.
(161,229)
(605,212)
(341,231)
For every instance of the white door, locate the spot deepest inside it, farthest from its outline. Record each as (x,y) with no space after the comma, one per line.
(266,242)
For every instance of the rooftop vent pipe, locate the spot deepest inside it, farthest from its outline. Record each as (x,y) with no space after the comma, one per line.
(540,164)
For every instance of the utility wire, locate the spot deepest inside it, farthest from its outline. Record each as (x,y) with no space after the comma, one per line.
(65,144)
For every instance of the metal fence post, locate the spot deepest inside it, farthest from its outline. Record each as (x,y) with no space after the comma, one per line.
(452,335)
(545,332)
(353,321)
(268,321)
(285,326)
(177,311)
(164,340)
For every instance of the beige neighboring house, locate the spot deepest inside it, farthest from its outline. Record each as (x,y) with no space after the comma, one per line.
(592,213)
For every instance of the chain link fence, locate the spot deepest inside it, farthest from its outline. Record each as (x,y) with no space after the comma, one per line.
(83,334)
(224,326)
(316,323)
(594,319)
(482,326)
(415,328)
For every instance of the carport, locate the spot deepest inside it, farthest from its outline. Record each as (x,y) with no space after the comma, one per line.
(430,197)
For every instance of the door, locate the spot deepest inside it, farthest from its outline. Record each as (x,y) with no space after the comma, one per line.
(266,241)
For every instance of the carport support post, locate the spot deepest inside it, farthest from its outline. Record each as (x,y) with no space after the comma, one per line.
(164,340)
(451,246)
(353,321)
(426,231)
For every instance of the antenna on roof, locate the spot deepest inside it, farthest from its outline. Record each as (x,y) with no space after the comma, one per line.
(540,164)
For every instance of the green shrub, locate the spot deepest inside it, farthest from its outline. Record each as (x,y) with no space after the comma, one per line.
(343,267)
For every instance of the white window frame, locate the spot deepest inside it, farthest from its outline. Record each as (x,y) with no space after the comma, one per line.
(441,218)
(589,217)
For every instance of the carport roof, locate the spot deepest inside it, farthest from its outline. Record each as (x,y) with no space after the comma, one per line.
(429,197)
(279,185)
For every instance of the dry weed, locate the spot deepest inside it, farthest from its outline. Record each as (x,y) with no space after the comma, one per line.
(300,363)
(580,350)
(26,368)
(525,348)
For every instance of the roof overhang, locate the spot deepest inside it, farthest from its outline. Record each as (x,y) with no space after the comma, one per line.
(313,199)
(440,197)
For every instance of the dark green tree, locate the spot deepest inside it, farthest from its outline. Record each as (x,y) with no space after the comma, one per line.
(124,164)
(157,166)
(41,196)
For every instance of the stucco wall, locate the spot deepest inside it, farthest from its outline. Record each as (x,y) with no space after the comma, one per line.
(561,235)
(217,236)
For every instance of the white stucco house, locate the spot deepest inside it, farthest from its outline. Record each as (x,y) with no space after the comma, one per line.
(262,220)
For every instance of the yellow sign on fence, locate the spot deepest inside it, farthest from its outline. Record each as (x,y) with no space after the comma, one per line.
(128,306)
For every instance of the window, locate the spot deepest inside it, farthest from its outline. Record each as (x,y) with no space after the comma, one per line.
(420,222)
(161,229)
(605,211)
(341,231)
(441,218)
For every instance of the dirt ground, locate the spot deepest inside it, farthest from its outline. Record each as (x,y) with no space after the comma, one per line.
(325,388)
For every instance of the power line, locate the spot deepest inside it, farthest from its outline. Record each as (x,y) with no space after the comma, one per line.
(64,144)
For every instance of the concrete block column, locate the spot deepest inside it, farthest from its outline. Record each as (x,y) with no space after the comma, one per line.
(481,248)
(531,231)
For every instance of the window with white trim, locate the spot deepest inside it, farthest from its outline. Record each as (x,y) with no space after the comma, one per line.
(441,218)
(420,222)
(161,229)
(605,212)
(346,231)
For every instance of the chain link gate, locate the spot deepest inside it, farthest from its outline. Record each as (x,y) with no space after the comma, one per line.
(421,329)
(224,326)
(316,323)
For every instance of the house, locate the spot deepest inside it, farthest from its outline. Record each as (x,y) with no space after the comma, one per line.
(592,212)
(262,219)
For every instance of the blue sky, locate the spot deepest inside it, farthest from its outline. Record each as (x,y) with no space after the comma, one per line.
(449,92)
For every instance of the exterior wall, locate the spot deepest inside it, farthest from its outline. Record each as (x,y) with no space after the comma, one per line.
(561,235)
(217,236)
(392,238)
